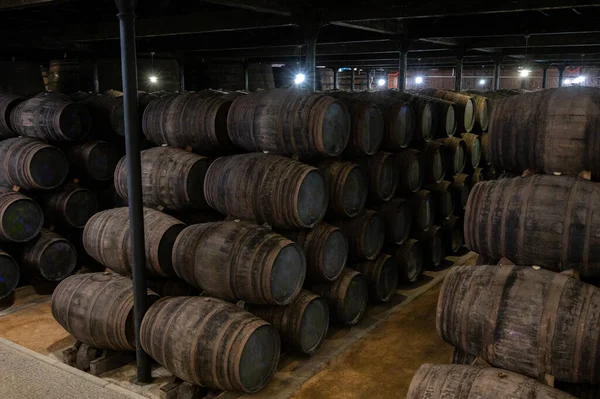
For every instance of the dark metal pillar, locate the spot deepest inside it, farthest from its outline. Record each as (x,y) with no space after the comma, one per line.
(459,73)
(402,67)
(370,82)
(545,76)
(96,79)
(311,63)
(497,69)
(181,65)
(134,177)
(561,74)
(246,81)
(352,77)
(335,79)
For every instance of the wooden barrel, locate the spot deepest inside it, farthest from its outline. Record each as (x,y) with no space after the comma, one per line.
(556,139)
(464,107)
(172,287)
(409,258)
(473,145)
(326,250)
(48,256)
(106,238)
(365,233)
(97,309)
(453,233)
(302,324)
(50,117)
(267,188)
(21,218)
(454,154)
(197,120)
(478,176)
(347,185)
(171,178)
(397,219)
(433,163)
(70,206)
(212,343)
(425,115)
(465,382)
(9,274)
(69,76)
(443,197)
(549,221)
(411,171)
(8,102)
(486,157)
(382,277)
(445,113)
(107,112)
(289,121)
(93,160)
(490,173)
(240,261)
(325,79)
(366,133)
(399,121)
(31,164)
(461,188)
(422,207)
(383,175)
(360,81)
(260,76)
(555,317)
(348,296)
(434,246)
(483,111)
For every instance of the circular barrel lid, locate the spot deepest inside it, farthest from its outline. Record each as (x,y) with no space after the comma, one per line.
(450,121)
(48,167)
(373,236)
(287,274)
(375,125)
(437,249)
(102,161)
(81,205)
(57,260)
(313,325)
(427,123)
(459,159)
(388,280)
(75,121)
(414,264)
(355,192)
(388,179)
(335,254)
(22,220)
(415,176)
(9,275)
(259,358)
(354,300)
(335,128)
(312,199)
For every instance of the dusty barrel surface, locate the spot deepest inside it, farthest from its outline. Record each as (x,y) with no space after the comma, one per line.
(106,238)
(397,218)
(562,131)
(473,145)
(549,221)
(486,156)
(461,189)
(348,186)
(555,317)
(365,233)
(31,164)
(48,255)
(422,207)
(9,274)
(347,296)
(409,258)
(106,111)
(381,275)
(399,121)
(434,246)
(97,309)
(443,197)
(71,206)
(289,121)
(453,233)
(464,107)
(366,133)
(210,342)
(383,174)
(171,178)
(95,160)
(411,171)
(483,111)
(464,382)
(445,114)
(326,250)
(433,162)
(454,154)
(302,324)
(267,188)
(8,102)
(50,117)
(240,261)
(198,120)
(21,218)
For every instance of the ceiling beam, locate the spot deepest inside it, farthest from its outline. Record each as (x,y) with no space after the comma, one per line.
(265,6)
(15,4)
(386,27)
(536,41)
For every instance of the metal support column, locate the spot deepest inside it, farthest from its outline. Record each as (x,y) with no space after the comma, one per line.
(459,73)
(497,69)
(352,77)
(96,79)
(335,79)
(561,74)
(246,81)
(181,66)
(545,76)
(134,177)
(310,63)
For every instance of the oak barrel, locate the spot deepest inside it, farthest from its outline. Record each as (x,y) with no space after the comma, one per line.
(445,114)
(453,233)
(347,296)
(69,76)
(9,274)
(240,261)
(383,175)
(94,160)
(267,188)
(483,111)
(461,188)
(454,154)
(70,206)
(365,233)
(381,275)
(366,133)
(473,145)
(107,112)
(422,207)
(433,162)
(481,310)
(8,102)
(21,218)
(399,121)
(348,186)
(425,115)
(486,156)
(411,171)
(48,256)
(444,197)
(464,107)
(434,246)
(409,258)
(396,215)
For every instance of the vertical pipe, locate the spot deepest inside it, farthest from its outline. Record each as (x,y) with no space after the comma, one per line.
(459,73)
(370,82)
(545,77)
(96,79)
(311,63)
(402,67)
(246,81)
(497,69)
(134,181)
(561,74)
(335,78)
(181,65)
(352,76)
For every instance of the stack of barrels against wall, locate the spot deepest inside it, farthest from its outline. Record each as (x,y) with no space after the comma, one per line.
(530,310)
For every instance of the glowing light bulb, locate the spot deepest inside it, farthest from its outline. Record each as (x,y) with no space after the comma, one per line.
(153,79)
(299,78)
(482,82)
(381,82)
(524,73)
(419,80)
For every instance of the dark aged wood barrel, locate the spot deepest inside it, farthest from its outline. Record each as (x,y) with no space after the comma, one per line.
(561,126)
(422,207)
(267,188)
(94,160)
(486,158)
(397,218)
(172,287)
(348,186)
(240,261)
(411,171)
(198,120)
(461,189)
(302,324)
(549,221)
(490,173)
(70,76)
(106,111)
(478,176)
(365,233)
(289,121)
(31,164)
(443,196)
(399,121)
(210,342)
(171,178)
(465,382)
(445,113)
(425,116)
(21,218)
(97,309)
(483,111)
(381,275)
(409,257)
(463,104)
(326,250)
(473,145)
(106,239)
(70,206)
(454,154)
(383,175)
(556,320)
(9,274)
(434,246)
(433,162)
(347,296)
(453,233)
(366,133)
(48,256)
(8,102)
(50,117)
